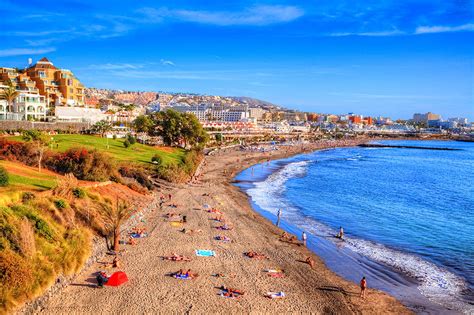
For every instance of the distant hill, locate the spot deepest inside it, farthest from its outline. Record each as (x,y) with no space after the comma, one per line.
(95,96)
(255,102)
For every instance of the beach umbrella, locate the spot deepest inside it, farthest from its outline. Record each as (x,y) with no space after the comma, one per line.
(206,206)
(117,278)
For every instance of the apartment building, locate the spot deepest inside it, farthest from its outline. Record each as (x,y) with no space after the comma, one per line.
(58,86)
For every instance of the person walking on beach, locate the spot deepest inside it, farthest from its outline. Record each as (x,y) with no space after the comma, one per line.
(363,287)
(304,237)
(341,233)
(278,217)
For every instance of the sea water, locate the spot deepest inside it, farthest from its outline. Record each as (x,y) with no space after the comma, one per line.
(408,216)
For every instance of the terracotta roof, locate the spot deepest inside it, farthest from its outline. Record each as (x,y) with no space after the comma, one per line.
(44,59)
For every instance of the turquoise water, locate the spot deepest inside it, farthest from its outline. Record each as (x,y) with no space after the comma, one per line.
(409,210)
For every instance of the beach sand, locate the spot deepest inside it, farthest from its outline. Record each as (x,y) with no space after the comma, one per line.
(150,290)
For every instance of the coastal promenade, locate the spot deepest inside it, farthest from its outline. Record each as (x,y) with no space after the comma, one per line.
(150,290)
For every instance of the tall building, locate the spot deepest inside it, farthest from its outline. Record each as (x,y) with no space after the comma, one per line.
(58,86)
(40,87)
(424,118)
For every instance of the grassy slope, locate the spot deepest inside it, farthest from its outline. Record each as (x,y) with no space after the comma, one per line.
(24,178)
(136,153)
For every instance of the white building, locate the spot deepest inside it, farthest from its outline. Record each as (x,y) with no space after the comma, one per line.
(79,114)
(27,106)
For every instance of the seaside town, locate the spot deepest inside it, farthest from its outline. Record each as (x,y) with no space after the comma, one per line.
(108,195)
(236,157)
(43,92)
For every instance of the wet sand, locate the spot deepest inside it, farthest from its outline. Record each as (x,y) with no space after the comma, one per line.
(151,290)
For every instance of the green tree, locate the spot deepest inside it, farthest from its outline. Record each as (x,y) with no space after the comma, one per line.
(9,94)
(102,127)
(113,218)
(179,128)
(40,141)
(192,132)
(143,123)
(4,179)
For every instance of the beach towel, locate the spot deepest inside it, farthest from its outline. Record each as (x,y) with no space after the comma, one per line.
(205,253)
(229,297)
(273,270)
(276,275)
(176,224)
(182,277)
(136,235)
(275,295)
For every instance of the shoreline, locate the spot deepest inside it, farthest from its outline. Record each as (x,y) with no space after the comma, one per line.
(150,290)
(400,285)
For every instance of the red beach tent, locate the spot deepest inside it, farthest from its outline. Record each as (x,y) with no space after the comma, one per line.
(117,278)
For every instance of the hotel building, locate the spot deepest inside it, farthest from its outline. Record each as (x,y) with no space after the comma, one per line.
(41,87)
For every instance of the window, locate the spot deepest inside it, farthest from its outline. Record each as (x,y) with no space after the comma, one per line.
(42,74)
(71,90)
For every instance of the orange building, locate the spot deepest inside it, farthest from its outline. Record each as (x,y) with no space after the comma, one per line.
(59,86)
(313,117)
(355,119)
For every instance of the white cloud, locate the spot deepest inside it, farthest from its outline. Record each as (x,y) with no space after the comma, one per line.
(257,15)
(443,29)
(117,66)
(25,51)
(167,62)
(374,34)
(38,33)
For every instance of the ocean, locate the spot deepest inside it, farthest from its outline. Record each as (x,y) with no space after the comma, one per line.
(407,214)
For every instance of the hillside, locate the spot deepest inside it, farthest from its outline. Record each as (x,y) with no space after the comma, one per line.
(95,96)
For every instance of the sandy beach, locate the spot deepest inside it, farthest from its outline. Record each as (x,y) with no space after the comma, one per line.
(151,290)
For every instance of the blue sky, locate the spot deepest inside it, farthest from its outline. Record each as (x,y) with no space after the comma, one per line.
(382,57)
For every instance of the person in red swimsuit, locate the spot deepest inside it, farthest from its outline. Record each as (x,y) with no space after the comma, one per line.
(363,287)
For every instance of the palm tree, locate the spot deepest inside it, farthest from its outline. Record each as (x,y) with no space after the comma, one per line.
(9,94)
(113,218)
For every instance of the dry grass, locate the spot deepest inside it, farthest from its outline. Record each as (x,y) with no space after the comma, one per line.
(27,238)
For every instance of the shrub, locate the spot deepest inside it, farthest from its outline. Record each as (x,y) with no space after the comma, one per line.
(79,193)
(156,159)
(86,165)
(27,196)
(60,203)
(126,143)
(138,173)
(114,137)
(16,277)
(4,180)
(131,139)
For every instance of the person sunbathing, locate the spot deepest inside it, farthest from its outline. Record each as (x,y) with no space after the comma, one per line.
(222,238)
(232,291)
(176,257)
(188,231)
(116,263)
(131,241)
(310,262)
(219,218)
(191,274)
(188,274)
(224,227)
(172,215)
(255,255)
